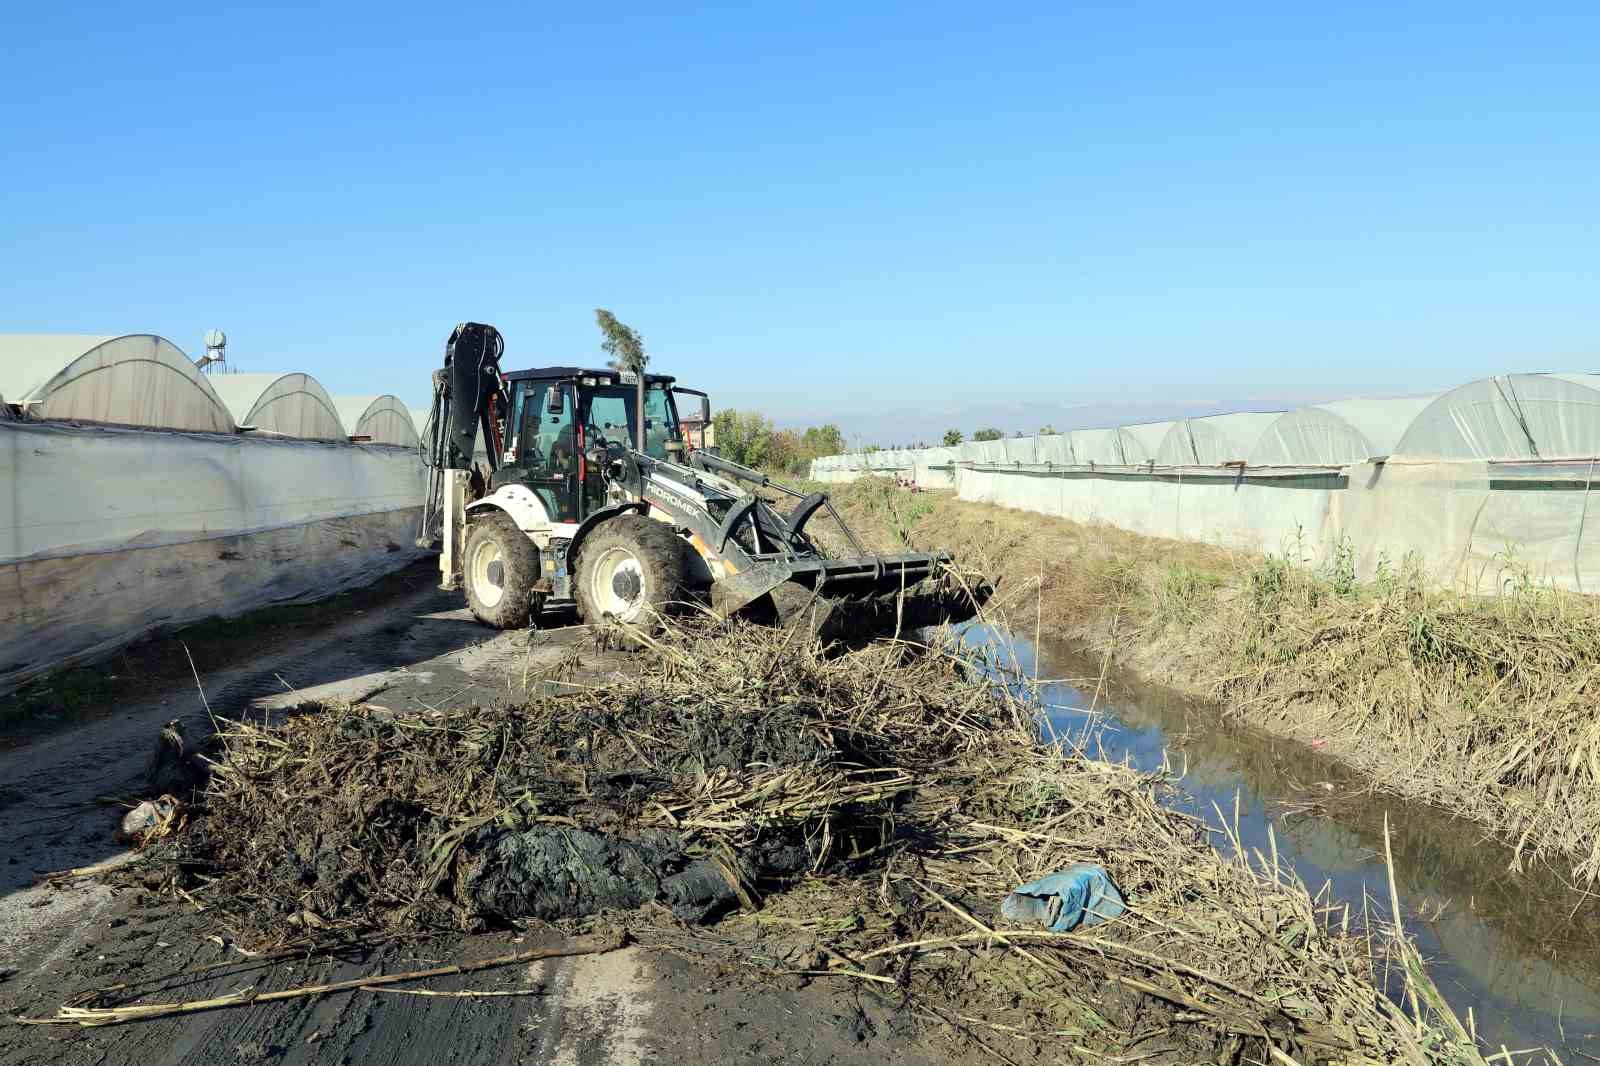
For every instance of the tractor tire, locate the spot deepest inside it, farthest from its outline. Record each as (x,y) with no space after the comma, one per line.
(631,568)
(500,567)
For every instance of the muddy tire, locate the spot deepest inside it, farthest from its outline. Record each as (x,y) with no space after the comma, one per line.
(631,568)
(499,567)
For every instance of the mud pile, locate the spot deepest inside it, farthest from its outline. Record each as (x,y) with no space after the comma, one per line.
(749,799)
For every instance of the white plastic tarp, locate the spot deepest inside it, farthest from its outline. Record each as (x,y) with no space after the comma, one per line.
(133,380)
(383,418)
(109,533)
(1338,433)
(1020,450)
(1213,440)
(1141,442)
(286,405)
(1517,416)
(1102,447)
(1055,449)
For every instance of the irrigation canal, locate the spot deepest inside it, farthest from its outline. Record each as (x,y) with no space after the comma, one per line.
(1520,951)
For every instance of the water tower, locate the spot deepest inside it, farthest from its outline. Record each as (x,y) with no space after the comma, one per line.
(216,350)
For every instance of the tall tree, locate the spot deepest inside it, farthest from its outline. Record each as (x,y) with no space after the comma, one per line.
(987,434)
(952,437)
(626,348)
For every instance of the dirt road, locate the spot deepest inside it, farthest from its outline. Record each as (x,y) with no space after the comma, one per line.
(59,809)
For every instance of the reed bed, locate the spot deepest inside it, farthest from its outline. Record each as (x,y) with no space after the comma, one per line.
(1483,705)
(860,816)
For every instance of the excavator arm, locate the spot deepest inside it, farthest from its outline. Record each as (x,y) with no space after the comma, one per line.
(468,399)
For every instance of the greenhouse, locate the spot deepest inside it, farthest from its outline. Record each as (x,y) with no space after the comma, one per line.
(1512,417)
(1103,447)
(1141,442)
(287,405)
(1338,433)
(137,379)
(383,419)
(1055,449)
(1214,440)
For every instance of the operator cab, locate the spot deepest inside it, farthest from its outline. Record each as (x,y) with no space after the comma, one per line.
(566,424)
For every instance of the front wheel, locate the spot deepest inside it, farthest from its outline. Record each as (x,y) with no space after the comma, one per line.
(500,567)
(630,568)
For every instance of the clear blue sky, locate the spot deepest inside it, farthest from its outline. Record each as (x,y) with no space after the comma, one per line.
(823,209)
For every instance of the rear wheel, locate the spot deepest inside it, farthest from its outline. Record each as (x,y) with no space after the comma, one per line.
(500,567)
(630,568)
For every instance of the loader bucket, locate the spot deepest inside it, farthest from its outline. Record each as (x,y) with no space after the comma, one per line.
(861,597)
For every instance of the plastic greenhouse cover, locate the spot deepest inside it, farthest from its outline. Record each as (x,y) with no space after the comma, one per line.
(1102,446)
(290,405)
(1338,433)
(1020,450)
(133,380)
(1517,416)
(1214,440)
(1054,448)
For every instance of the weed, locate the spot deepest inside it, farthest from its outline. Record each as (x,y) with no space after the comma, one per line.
(1183,593)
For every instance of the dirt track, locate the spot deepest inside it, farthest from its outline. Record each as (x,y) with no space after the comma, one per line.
(420,648)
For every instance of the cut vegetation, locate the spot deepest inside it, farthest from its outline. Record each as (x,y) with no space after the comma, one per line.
(854,818)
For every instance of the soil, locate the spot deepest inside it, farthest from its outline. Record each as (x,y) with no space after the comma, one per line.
(624,1007)
(160,663)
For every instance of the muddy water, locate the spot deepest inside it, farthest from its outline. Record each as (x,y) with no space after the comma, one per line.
(1520,951)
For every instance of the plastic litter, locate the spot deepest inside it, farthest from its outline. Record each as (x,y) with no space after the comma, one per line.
(150,820)
(1082,894)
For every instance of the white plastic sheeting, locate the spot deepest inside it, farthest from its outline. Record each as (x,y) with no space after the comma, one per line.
(1019,450)
(1214,440)
(382,418)
(1055,449)
(107,534)
(1103,447)
(933,468)
(1338,433)
(1487,483)
(288,405)
(1141,442)
(133,380)
(1516,416)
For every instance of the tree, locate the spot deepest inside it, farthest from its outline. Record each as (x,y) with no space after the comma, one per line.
(626,349)
(822,440)
(743,436)
(621,342)
(1047,431)
(988,434)
(952,437)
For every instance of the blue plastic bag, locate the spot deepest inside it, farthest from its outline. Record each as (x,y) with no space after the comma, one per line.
(1082,894)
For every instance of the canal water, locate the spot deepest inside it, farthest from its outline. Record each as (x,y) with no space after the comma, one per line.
(1521,951)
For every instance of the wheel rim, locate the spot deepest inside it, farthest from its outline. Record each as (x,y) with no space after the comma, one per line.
(487,572)
(617,584)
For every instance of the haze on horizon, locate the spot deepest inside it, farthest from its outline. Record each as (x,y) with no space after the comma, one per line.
(903,220)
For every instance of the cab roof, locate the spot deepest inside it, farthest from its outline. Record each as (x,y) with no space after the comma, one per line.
(607,375)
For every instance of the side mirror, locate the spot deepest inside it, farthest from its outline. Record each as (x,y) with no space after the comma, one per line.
(705,410)
(555,405)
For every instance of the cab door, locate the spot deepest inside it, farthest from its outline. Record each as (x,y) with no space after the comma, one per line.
(545,446)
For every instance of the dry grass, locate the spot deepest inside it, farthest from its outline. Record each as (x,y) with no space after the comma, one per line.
(920,795)
(1484,706)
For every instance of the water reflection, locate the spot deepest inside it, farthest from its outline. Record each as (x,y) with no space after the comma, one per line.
(1522,951)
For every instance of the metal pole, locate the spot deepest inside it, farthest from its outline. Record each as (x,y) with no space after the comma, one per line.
(639,443)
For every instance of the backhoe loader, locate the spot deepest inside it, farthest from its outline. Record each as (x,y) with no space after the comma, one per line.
(585,493)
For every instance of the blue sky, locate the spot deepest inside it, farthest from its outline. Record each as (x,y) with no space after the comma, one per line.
(920,214)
